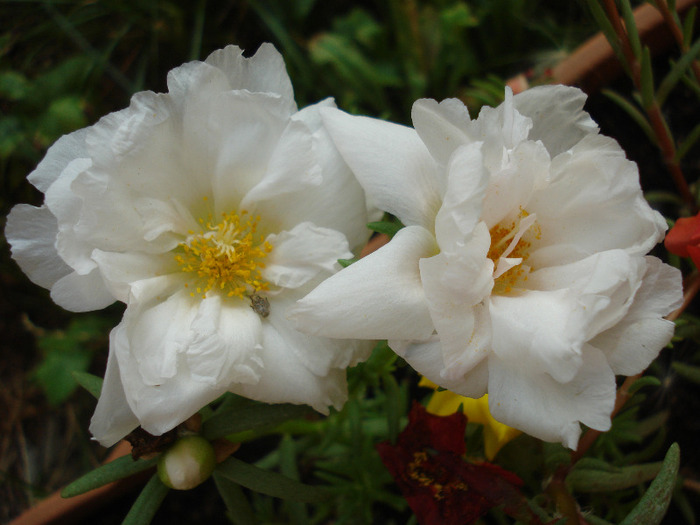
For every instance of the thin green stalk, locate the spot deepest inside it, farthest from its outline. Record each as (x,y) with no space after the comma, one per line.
(663,8)
(651,107)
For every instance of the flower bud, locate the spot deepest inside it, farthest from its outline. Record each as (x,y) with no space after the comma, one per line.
(189,462)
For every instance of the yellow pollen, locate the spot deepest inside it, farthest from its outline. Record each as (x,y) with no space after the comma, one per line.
(501,237)
(225,257)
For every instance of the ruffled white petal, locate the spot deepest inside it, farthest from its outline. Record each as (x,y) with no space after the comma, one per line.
(636,340)
(541,406)
(264,71)
(348,214)
(284,379)
(318,354)
(291,168)
(521,171)
(443,127)
(546,326)
(113,418)
(177,355)
(31,233)
(304,254)
(426,358)
(461,206)
(82,293)
(557,116)
(388,286)
(120,270)
(60,154)
(593,203)
(501,129)
(391,163)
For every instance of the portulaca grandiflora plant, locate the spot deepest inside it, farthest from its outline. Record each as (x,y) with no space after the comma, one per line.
(219,214)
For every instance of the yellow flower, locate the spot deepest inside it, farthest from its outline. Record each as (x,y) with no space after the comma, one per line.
(496,434)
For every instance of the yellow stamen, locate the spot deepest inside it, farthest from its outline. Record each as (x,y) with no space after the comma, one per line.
(226,257)
(501,238)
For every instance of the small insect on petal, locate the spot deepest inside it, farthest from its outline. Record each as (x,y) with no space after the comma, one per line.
(260,304)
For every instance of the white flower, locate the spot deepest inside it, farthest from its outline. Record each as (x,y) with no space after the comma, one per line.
(521,271)
(208,210)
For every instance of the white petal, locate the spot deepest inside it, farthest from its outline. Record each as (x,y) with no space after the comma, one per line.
(66,205)
(543,330)
(110,220)
(303,254)
(59,155)
(120,270)
(593,203)
(337,202)
(605,285)
(501,128)
(235,134)
(225,340)
(286,379)
(461,273)
(82,293)
(461,207)
(442,127)
(426,358)
(318,354)
(143,148)
(264,71)
(182,353)
(31,233)
(291,168)
(546,409)
(113,418)
(633,343)
(455,284)
(391,163)
(378,297)
(512,181)
(557,116)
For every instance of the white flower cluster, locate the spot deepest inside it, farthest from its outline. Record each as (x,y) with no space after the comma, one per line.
(217,212)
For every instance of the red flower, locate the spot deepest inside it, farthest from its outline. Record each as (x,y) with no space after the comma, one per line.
(684,238)
(441,487)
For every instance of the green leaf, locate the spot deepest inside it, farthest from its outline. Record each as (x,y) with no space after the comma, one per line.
(114,470)
(688,24)
(676,73)
(148,502)
(688,143)
(389,228)
(239,510)
(647,80)
(608,30)
(89,382)
(631,27)
(255,417)
(652,507)
(268,482)
(346,262)
(689,372)
(643,382)
(596,480)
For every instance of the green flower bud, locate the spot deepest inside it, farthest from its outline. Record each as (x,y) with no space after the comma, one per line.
(189,462)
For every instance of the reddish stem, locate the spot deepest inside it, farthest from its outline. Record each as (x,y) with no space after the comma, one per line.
(662,6)
(661,131)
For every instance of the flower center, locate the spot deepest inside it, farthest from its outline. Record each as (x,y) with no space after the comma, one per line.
(226,256)
(510,248)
